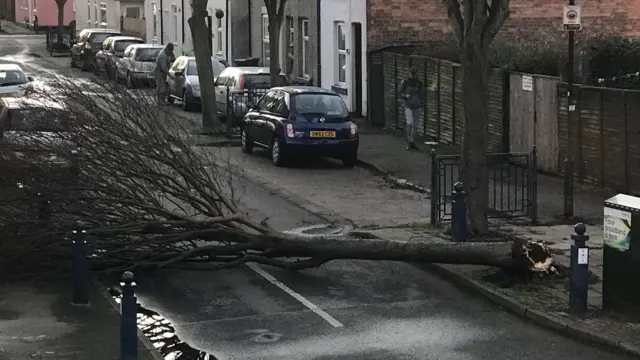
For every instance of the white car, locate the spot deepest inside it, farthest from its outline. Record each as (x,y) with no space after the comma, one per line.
(13,81)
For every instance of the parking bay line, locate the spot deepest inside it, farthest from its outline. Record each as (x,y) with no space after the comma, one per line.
(311,306)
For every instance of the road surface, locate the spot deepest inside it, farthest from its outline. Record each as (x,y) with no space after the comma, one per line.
(351,310)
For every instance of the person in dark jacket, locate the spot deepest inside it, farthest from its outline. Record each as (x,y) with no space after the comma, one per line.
(163,64)
(413,92)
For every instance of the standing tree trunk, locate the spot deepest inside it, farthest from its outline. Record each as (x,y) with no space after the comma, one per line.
(60,4)
(202,52)
(476,23)
(275,11)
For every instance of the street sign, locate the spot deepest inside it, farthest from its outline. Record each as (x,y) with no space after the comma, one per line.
(572,18)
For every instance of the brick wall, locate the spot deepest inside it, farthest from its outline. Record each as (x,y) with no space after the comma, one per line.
(403,22)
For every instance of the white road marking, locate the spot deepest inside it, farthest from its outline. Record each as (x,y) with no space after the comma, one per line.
(270,278)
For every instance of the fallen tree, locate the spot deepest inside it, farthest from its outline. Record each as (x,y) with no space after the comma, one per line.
(127,170)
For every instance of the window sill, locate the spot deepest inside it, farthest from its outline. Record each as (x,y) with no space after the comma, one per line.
(340,89)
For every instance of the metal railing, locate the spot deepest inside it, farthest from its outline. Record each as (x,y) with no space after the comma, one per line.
(238,105)
(512,191)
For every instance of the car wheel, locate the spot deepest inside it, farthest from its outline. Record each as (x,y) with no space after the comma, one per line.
(245,143)
(130,83)
(350,160)
(277,153)
(186,105)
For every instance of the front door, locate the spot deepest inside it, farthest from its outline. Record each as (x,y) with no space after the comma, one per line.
(357,69)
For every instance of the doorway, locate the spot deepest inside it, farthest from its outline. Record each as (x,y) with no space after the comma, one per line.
(357,68)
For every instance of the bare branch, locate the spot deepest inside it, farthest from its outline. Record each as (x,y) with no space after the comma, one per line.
(498,14)
(455,17)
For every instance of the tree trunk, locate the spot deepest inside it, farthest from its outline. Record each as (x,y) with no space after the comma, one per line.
(275,23)
(474,147)
(202,52)
(60,4)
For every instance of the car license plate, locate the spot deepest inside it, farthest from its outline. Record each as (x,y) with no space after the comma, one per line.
(323,134)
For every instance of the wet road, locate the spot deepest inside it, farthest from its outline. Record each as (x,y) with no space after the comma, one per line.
(352,310)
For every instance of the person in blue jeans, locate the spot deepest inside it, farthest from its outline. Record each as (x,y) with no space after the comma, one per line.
(412,91)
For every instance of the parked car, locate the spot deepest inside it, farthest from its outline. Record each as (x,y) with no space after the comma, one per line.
(237,87)
(183,81)
(301,120)
(87,45)
(138,64)
(13,81)
(112,51)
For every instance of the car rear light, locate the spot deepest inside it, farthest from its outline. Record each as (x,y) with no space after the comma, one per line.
(290,132)
(353,130)
(241,83)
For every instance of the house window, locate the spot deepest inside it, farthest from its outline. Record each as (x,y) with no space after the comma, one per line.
(95,12)
(266,54)
(103,14)
(305,63)
(174,12)
(132,12)
(220,42)
(341,54)
(154,10)
(290,45)
(88,11)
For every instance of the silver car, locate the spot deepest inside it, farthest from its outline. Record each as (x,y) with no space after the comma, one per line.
(183,80)
(138,64)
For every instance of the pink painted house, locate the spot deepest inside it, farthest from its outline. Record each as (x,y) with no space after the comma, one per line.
(46,10)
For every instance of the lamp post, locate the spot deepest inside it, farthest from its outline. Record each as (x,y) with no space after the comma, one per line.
(219,15)
(572,23)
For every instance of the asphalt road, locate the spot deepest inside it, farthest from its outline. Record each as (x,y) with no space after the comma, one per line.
(352,310)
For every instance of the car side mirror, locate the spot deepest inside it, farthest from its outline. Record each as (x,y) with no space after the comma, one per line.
(30,78)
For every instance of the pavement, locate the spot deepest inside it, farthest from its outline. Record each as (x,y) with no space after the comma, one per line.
(12,28)
(344,309)
(37,321)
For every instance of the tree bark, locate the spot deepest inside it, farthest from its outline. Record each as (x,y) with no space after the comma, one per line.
(202,52)
(275,11)
(474,147)
(60,4)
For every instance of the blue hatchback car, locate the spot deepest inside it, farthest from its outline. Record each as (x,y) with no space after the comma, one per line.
(301,120)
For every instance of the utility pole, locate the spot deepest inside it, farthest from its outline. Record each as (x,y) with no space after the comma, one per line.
(571,23)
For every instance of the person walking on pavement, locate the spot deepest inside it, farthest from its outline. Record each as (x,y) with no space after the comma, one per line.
(412,91)
(163,64)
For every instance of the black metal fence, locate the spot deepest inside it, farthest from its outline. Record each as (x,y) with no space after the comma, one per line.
(59,39)
(239,103)
(512,185)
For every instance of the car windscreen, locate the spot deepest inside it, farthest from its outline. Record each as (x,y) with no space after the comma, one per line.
(148,54)
(260,81)
(12,77)
(327,105)
(34,119)
(121,46)
(99,38)
(217,67)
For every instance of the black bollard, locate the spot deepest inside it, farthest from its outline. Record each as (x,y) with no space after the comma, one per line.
(128,318)
(80,265)
(579,279)
(458,213)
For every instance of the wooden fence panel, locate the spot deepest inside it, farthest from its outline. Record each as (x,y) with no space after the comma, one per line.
(458,106)
(402,72)
(446,103)
(521,115)
(614,136)
(390,89)
(418,62)
(589,160)
(633,142)
(546,124)
(432,87)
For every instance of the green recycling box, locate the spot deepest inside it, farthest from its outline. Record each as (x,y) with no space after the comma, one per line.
(621,248)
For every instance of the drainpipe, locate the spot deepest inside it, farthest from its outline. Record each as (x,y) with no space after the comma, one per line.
(182,16)
(161,22)
(226,33)
(318,42)
(250,34)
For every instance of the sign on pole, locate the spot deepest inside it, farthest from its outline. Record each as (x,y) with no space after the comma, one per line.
(572,18)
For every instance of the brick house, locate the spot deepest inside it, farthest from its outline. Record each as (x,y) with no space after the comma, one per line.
(416,22)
